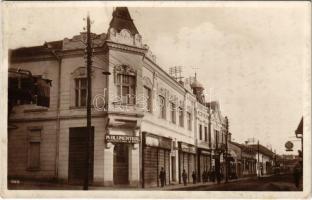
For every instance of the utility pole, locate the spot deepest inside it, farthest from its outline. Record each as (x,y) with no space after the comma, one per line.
(89,128)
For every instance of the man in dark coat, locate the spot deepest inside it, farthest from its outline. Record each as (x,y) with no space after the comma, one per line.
(184,176)
(194,177)
(205,176)
(297,174)
(162,177)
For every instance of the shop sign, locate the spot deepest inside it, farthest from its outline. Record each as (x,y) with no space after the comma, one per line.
(122,139)
(165,143)
(155,141)
(187,148)
(151,141)
(204,152)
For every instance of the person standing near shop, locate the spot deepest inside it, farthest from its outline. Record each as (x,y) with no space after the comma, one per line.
(194,177)
(162,177)
(297,173)
(184,177)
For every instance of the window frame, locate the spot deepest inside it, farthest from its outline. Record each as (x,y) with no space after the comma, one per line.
(189,120)
(78,103)
(181,116)
(162,107)
(173,112)
(130,85)
(148,102)
(205,133)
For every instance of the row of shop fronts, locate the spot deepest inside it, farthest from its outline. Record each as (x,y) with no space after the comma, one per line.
(174,157)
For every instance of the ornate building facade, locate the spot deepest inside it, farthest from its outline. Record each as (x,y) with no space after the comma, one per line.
(143,119)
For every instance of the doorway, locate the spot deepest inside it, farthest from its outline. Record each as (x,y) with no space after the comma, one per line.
(173,168)
(77,155)
(121,164)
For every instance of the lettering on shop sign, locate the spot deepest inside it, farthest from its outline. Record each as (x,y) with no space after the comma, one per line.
(158,142)
(187,148)
(122,139)
(150,141)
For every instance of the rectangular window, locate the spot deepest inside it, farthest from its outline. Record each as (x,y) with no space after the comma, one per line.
(126,88)
(34,150)
(206,134)
(189,121)
(200,132)
(162,107)
(80,92)
(172,112)
(147,99)
(181,117)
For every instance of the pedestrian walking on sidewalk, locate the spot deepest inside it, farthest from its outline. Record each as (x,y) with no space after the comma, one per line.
(213,175)
(184,177)
(162,177)
(194,177)
(297,174)
(218,174)
(209,178)
(204,176)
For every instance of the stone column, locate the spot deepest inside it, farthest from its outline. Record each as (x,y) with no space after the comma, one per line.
(109,164)
(134,162)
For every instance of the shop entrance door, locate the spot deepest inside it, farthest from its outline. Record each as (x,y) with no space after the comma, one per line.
(121,164)
(77,155)
(173,168)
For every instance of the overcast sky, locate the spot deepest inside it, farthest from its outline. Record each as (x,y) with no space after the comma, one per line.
(251,56)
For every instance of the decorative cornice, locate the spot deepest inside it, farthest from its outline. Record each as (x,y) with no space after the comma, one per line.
(125,47)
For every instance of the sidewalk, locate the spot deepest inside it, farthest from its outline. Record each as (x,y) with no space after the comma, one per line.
(191,185)
(32,185)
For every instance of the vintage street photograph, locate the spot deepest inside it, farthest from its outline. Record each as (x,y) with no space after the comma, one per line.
(165,98)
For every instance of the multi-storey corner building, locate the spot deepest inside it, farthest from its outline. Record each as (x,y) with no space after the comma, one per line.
(142,118)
